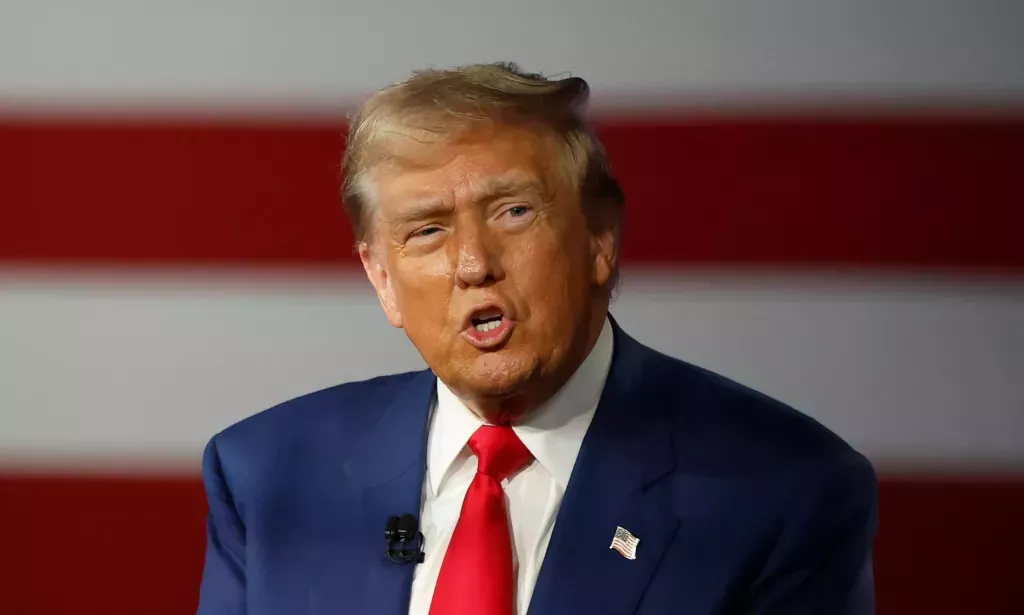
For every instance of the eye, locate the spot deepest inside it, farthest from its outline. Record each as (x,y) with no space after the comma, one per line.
(424,236)
(514,217)
(515,213)
(426,232)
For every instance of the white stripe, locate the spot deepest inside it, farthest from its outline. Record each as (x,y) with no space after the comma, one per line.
(103,367)
(323,53)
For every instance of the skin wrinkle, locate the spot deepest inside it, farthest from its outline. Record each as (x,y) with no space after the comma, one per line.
(490,217)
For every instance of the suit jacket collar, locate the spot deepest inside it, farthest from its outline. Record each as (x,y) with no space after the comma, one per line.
(398,440)
(390,464)
(616,483)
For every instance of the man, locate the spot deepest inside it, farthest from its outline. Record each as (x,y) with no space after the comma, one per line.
(555,464)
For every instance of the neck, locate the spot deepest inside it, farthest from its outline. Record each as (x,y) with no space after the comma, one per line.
(513,408)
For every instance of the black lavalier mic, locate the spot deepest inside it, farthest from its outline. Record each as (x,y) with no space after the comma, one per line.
(404,540)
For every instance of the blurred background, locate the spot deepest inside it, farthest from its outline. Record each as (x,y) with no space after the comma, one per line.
(824,202)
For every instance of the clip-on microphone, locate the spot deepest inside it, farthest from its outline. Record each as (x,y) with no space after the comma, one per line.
(404,531)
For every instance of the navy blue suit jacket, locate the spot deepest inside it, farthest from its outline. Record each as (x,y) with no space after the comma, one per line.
(741,504)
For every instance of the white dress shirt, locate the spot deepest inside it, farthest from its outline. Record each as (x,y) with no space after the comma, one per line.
(553,434)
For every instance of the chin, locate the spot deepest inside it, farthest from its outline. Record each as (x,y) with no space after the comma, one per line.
(497,374)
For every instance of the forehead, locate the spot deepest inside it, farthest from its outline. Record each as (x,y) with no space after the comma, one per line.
(495,161)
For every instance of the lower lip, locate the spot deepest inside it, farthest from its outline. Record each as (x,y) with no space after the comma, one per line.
(489,339)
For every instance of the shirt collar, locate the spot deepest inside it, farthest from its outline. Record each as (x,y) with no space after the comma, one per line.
(553,434)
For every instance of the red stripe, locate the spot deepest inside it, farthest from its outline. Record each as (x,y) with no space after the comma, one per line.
(116,546)
(896,192)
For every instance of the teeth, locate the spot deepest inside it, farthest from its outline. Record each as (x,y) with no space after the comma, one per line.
(488,326)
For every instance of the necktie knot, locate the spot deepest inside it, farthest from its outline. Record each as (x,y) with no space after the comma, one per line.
(499,450)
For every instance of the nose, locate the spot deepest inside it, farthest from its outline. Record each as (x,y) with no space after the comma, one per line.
(477,261)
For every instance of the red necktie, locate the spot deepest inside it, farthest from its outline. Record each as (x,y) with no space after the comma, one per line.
(476,574)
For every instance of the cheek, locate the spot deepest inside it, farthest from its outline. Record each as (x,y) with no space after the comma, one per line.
(552,273)
(422,286)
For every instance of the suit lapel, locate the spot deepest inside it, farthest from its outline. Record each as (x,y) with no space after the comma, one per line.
(392,462)
(615,483)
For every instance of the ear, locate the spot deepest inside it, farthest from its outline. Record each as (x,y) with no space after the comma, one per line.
(377,273)
(604,249)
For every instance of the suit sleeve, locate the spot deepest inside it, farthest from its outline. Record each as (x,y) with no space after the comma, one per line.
(822,562)
(223,587)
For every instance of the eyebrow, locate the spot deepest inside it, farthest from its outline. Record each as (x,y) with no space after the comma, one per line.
(497,187)
(488,190)
(421,210)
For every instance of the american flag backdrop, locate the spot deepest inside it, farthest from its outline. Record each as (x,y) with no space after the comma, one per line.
(824,203)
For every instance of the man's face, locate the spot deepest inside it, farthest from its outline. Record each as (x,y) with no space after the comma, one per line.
(482,253)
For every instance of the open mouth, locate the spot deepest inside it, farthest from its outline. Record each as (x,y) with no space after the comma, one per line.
(488,322)
(488,328)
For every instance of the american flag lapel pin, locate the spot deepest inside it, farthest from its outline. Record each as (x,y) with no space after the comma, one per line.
(625,543)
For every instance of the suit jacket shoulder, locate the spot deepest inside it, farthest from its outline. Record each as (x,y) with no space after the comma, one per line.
(804,499)
(298,495)
(292,438)
(722,425)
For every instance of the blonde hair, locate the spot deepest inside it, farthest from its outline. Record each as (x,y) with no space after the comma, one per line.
(440,104)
